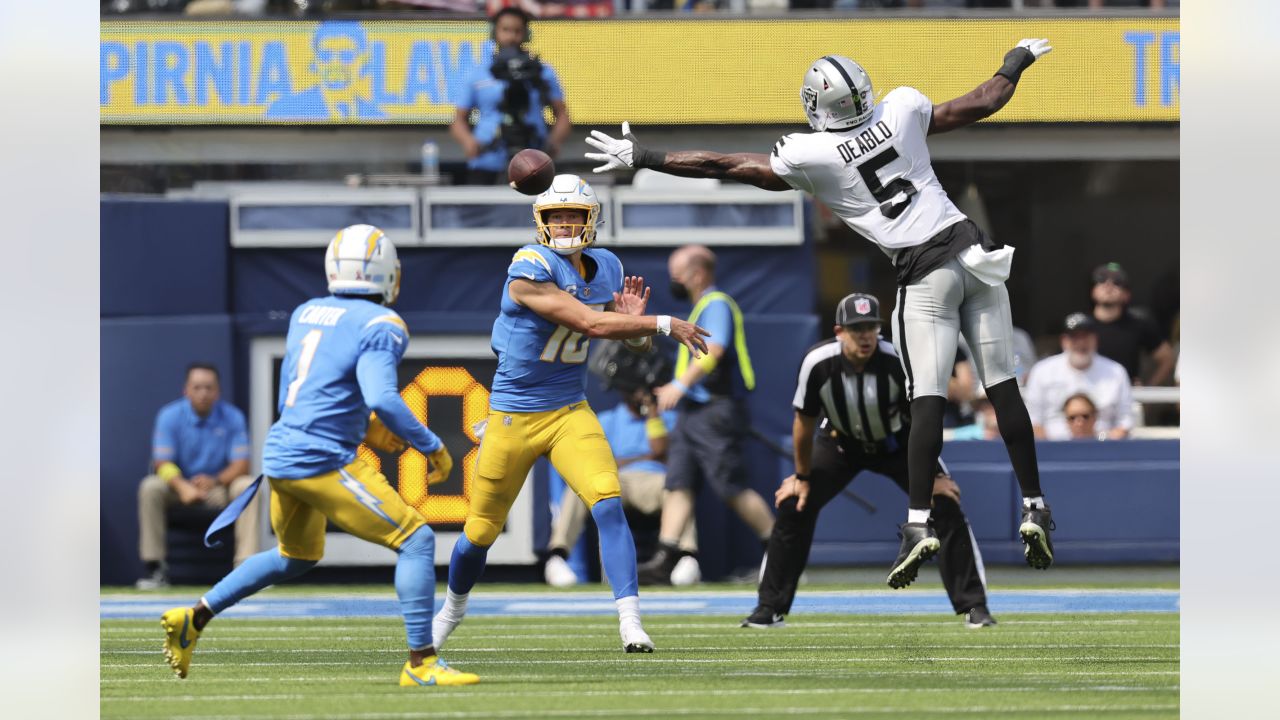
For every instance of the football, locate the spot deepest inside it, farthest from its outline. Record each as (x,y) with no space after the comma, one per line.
(531,171)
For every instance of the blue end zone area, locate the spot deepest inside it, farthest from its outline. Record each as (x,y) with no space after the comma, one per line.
(853,602)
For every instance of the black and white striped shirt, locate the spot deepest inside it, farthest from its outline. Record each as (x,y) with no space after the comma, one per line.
(867,406)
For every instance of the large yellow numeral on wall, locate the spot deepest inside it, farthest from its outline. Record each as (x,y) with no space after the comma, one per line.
(436,382)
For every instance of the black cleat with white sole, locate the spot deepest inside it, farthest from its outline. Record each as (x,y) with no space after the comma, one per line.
(919,543)
(1035,527)
(763,618)
(978,617)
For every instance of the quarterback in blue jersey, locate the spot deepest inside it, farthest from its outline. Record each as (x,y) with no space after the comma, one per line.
(558,295)
(340,363)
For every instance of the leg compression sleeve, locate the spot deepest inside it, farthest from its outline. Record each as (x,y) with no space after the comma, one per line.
(924,445)
(1015,429)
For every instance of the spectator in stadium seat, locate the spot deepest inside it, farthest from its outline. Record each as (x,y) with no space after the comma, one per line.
(1082,417)
(1123,335)
(492,142)
(1079,369)
(199,456)
(710,396)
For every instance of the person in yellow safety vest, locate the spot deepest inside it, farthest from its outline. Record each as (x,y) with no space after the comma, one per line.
(712,421)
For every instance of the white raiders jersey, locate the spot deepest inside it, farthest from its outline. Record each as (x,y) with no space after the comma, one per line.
(876,177)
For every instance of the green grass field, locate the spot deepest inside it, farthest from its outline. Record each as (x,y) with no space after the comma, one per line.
(1085,665)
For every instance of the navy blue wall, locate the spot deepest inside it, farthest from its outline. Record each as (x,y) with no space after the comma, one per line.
(163,258)
(1113,502)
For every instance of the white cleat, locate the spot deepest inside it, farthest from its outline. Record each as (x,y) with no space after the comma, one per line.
(635,639)
(558,573)
(686,572)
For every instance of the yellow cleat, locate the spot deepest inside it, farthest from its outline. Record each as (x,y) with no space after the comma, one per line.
(180,639)
(434,671)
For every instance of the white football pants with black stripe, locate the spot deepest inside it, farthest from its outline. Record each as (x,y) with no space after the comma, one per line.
(929,317)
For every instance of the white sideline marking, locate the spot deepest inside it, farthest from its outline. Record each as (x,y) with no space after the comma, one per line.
(462,650)
(996,710)
(651,660)
(664,693)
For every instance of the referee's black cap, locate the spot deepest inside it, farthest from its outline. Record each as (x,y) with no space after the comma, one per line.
(858,309)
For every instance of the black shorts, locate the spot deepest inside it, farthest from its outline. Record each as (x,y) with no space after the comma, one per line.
(707,445)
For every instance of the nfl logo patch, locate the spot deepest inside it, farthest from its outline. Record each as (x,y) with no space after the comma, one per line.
(862,306)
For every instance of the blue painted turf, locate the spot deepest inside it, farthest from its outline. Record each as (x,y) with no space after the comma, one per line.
(544,604)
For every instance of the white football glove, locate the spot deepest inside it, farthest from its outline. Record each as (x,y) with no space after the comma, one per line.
(1037,47)
(615,154)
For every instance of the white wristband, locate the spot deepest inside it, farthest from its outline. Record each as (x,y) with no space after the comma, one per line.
(664,324)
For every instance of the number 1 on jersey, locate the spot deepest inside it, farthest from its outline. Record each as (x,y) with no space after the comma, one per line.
(310,342)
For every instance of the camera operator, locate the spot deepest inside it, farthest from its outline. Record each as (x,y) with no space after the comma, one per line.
(508,99)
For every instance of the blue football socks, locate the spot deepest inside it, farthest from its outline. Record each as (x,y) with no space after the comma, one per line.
(617,547)
(416,585)
(266,568)
(466,565)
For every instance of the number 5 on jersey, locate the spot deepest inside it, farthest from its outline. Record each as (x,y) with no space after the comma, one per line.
(885,194)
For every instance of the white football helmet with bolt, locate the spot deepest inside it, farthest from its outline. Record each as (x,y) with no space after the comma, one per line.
(567,192)
(362,260)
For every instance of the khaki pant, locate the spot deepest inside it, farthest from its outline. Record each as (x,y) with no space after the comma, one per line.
(642,490)
(155,497)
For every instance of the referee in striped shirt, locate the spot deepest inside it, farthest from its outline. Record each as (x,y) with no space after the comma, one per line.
(855,383)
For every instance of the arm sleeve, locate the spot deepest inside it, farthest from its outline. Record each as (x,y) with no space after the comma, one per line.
(239,437)
(529,264)
(786,165)
(919,106)
(376,373)
(163,441)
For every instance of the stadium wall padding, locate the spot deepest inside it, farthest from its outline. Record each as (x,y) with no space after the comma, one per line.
(163,257)
(1113,503)
(142,365)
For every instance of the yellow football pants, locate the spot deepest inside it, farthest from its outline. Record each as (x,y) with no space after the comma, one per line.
(570,437)
(356,498)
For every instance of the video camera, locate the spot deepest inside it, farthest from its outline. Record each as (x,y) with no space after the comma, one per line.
(522,74)
(626,371)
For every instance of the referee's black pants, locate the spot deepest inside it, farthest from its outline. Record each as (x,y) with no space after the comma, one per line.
(832,469)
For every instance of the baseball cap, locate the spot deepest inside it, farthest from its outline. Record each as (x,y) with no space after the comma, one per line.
(1078,321)
(857,309)
(1113,272)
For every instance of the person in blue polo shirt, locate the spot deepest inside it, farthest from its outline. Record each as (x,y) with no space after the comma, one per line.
(199,456)
(508,96)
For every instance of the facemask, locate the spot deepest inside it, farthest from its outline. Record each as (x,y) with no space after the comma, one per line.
(679,291)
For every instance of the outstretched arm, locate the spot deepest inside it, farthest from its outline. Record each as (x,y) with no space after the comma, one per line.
(749,168)
(987,99)
(561,308)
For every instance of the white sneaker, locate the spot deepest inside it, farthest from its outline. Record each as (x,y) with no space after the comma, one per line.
(558,573)
(686,572)
(634,638)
